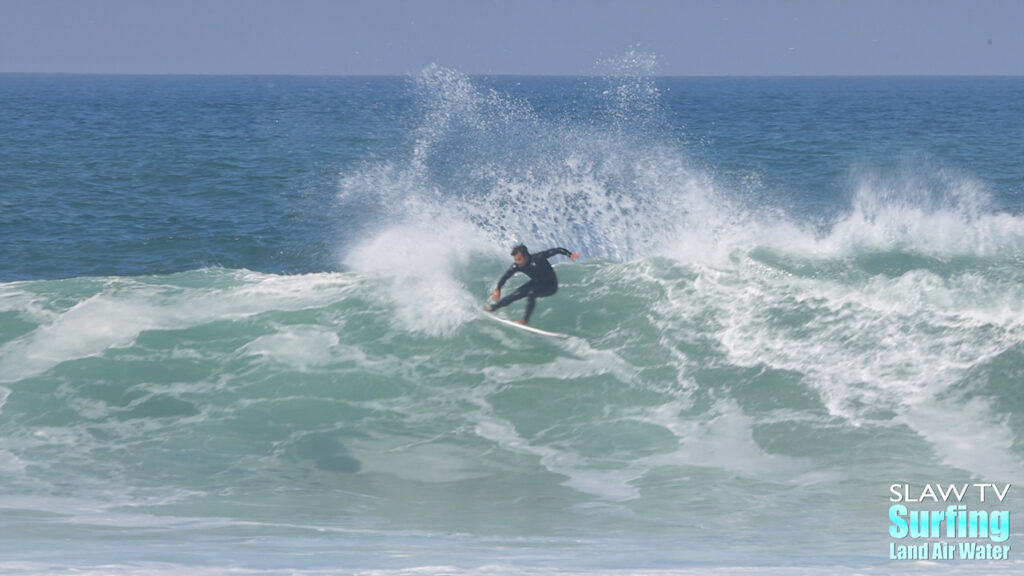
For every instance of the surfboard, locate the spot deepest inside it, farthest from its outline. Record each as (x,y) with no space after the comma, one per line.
(526,328)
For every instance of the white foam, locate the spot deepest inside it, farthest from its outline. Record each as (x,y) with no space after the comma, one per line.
(890,344)
(87,328)
(418,260)
(941,215)
(723,439)
(612,485)
(18,297)
(586,362)
(124,308)
(967,435)
(301,347)
(914,219)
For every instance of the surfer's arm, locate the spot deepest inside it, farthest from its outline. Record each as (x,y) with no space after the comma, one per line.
(552,251)
(504,277)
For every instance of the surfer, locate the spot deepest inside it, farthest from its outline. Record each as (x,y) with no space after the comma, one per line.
(543,281)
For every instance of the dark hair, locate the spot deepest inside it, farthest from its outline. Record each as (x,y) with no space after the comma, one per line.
(520,249)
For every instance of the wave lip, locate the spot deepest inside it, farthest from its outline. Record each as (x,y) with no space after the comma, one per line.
(940,214)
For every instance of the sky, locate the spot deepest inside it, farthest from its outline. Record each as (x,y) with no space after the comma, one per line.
(550,37)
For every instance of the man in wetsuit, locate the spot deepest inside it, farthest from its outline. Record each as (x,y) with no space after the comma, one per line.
(543,281)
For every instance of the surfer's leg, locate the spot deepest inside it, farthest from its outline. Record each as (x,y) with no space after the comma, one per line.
(531,301)
(534,293)
(520,292)
(531,291)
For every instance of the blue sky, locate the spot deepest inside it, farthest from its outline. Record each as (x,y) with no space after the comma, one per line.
(688,37)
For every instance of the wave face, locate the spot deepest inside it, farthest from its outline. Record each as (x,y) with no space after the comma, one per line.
(794,294)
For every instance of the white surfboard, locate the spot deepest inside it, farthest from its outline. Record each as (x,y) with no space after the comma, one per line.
(525,327)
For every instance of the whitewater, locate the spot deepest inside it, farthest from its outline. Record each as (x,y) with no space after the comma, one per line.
(241,327)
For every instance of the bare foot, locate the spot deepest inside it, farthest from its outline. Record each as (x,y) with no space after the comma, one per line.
(521,322)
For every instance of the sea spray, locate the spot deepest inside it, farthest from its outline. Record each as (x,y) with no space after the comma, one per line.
(494,162)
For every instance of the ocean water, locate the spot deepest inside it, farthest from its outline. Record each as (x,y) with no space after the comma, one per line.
(240,326)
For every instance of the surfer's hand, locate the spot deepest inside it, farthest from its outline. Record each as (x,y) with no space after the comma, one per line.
(574,256)
(496,295)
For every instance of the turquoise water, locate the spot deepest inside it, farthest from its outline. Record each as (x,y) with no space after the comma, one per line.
(240,327)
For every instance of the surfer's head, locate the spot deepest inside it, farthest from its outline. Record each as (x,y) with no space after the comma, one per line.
(521,255)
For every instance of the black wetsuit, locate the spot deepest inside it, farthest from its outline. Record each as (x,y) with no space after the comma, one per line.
(543,281)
